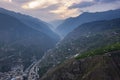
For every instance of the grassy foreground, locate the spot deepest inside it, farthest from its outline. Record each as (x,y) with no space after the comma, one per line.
(99,51)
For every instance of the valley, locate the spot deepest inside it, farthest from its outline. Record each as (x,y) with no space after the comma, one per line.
(21,44)
(86,47)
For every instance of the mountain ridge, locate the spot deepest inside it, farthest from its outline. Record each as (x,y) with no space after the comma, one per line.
(71,23)
(32,22)
(79,41)
(19,41)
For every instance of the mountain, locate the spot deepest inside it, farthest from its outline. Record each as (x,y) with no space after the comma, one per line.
(23,40)
(86,37)
(92,28)
(32,22)
(99,67)
(71,23)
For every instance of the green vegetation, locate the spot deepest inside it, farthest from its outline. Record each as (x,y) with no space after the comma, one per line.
(99,51)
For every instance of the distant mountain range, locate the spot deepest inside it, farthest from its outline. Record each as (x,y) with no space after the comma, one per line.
(71,23)
(85,37)
(23,37)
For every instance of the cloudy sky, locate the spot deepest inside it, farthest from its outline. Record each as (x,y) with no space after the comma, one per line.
(49,10)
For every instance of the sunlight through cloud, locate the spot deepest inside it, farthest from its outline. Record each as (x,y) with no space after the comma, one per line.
(63,6)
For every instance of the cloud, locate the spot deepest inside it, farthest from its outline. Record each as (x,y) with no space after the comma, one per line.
(62,8)
(38,4)
(7,0)
(20,1)
(82,5)
(106,1)
(91,3)
(65,12)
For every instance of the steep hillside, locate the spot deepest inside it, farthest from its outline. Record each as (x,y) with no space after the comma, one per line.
(98,67)
(71,23)
(22,43)
(86,37)
(93,28)
(32,22)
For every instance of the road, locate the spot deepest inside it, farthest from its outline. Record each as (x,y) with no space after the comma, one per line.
(33,72)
